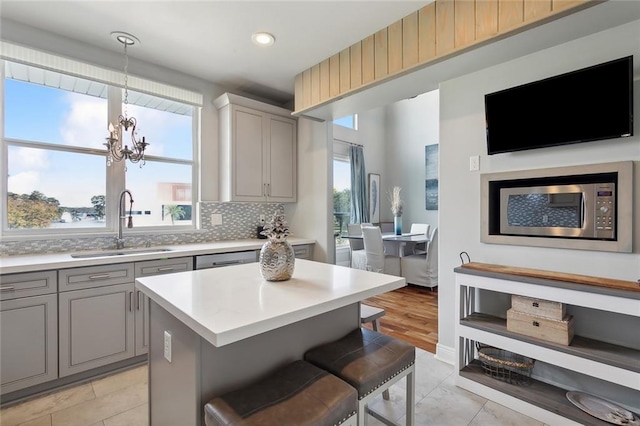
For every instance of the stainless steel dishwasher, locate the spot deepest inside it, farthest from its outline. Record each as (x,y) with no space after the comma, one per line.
(219,260)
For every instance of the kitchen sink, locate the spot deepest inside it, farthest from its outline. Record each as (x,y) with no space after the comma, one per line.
(121,252)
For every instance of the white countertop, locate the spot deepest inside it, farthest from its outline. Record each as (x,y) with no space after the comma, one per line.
(41,262)
(225,305)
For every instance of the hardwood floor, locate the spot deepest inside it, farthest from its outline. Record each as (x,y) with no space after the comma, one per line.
(411,314)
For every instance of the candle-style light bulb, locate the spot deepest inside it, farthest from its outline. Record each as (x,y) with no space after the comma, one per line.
(112,131)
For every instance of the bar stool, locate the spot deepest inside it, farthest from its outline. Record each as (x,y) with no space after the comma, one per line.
(370,362)
(298,394)
(372,314)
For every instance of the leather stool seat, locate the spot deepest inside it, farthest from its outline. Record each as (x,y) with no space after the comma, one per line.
(370,362)
(298,394)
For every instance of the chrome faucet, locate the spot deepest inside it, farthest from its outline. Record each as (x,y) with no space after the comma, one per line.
(122,216)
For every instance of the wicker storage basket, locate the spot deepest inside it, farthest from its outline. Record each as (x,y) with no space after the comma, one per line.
(506,366)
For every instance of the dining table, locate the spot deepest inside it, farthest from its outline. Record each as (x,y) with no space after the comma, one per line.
(399,242)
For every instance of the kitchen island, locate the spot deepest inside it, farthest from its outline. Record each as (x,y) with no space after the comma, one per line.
(228,327)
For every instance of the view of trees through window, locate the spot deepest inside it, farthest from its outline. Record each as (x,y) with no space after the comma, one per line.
(341,199)
(56,172)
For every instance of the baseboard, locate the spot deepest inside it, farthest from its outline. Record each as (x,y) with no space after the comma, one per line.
(445,354)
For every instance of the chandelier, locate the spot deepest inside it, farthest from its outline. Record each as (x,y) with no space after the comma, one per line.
(115,151)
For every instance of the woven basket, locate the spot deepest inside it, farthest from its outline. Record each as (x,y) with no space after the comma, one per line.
(506,366)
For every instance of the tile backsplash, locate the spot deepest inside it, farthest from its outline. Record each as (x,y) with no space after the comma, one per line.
(239,221)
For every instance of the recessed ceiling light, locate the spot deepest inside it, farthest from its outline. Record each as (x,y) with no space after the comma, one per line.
(125,38)
(263,39)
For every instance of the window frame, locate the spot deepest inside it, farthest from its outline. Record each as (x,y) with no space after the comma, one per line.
(115,176)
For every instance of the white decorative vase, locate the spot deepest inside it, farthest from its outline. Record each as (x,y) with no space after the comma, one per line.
(277,260)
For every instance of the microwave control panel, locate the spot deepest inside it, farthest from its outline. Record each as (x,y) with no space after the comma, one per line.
(605,210)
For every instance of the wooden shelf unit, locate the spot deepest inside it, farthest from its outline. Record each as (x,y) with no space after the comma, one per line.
(615,364)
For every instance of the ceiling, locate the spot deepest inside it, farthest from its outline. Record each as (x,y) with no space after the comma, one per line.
(211,39)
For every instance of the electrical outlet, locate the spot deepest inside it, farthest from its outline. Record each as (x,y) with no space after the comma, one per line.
(262,218)
(474,163)
(167,345)
(216,219)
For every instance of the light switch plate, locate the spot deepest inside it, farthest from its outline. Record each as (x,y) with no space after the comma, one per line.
(167,345)
(474,163)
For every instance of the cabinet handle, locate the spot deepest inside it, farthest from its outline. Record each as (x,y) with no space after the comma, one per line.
(6,288)
(99,277)
(130,301)
(165,268)
(138,301)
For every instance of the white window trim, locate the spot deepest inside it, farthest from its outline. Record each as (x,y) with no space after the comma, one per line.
(115,179)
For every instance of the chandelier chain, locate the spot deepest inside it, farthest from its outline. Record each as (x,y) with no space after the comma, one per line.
(126,79)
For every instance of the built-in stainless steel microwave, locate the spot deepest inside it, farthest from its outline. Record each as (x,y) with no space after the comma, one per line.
(575,211)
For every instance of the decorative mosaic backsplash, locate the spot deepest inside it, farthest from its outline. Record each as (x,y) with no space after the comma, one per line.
(239,221)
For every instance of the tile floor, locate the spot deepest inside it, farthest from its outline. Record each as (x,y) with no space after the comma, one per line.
(121,400)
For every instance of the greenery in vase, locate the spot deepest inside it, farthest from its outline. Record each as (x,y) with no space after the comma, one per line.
(396,201)
(276,229)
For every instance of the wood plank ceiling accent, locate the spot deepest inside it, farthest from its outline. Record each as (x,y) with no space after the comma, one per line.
(438,31)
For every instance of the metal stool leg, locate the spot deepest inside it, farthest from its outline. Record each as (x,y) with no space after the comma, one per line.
(374,325)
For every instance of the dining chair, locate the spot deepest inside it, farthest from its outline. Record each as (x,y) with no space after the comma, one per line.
(422,269)
(356,247)
(376,259)
(420,228)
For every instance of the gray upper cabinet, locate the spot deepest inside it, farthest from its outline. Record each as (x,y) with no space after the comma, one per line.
(147,269)
(258,145)
(28,341)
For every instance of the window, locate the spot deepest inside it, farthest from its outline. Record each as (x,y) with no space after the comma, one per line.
(56,173)
(350,121)
(341,197)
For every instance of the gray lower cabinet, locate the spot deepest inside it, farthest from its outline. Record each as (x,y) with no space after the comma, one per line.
(147,269)
(303,251)
(96,327)
(96,323)
(28,341)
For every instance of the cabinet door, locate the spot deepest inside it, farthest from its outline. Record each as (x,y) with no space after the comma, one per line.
(147,269)
(248,156)
(28,342)
(142,323)
(281,157)
(96,327)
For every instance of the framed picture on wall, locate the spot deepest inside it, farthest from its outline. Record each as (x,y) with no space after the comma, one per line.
(431,177)
(374,198)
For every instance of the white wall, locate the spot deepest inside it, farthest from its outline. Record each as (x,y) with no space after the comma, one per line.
(462,134)
(371,135)
(311,215)
(411,125)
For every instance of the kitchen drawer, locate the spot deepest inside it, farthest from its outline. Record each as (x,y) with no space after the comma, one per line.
(302,251)
(95,276)
(165,266)
(13,286)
